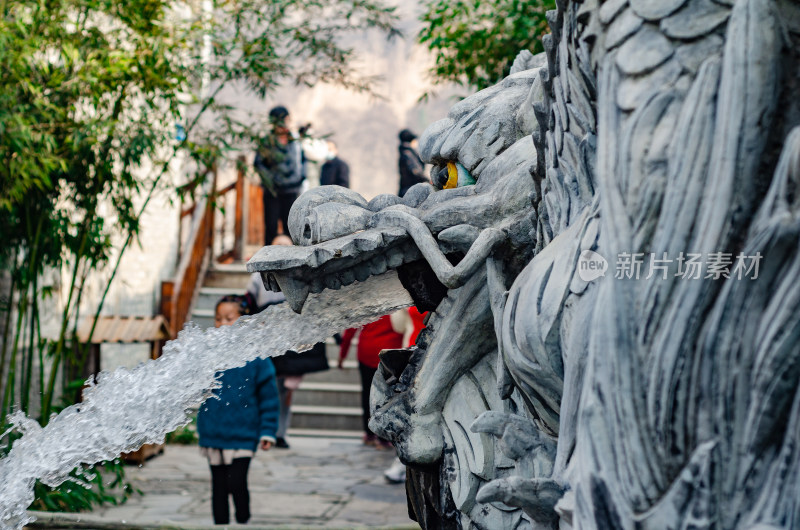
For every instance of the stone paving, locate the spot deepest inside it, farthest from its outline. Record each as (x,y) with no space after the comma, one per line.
(319,482)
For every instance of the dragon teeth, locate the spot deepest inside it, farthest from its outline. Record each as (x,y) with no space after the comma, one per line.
(296,291)
(362,272)
(348,277)
(333,282)
(378,265)
(317,285)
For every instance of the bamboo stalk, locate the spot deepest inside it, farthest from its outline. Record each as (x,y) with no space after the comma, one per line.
(27,353)
(33,278)
(32,346)
(7,329)
(22,306)
(40,351)
(81,350)
(47,396)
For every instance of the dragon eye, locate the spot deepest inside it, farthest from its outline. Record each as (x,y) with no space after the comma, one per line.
(439,175)
(452,176)
(457,176)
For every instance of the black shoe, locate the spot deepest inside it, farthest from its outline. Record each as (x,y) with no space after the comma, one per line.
(281,443)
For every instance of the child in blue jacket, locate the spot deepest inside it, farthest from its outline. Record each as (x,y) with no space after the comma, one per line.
(232,427)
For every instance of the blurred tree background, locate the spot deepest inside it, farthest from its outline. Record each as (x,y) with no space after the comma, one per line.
(98,98)
(474,42)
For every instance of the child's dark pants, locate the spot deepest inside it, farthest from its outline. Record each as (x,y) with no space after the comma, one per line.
(230,480)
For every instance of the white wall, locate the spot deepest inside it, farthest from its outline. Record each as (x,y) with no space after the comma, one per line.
(146,262)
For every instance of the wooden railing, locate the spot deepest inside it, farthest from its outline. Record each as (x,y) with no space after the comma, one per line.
(193,258)
(255,216)
(212,212)
(236,251)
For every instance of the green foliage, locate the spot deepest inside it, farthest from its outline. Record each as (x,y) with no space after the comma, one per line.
(92,93)
(103,484)
(88,97)
(186,435)
(475,41)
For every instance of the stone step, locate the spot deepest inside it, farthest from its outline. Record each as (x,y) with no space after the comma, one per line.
(203,318)
(319,433)
(348,374)
(331,349)
(328,394)
(207,297)
(329,400)
(231,276)
(326,418)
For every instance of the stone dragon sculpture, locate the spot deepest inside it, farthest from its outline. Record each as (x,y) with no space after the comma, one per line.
(536,398)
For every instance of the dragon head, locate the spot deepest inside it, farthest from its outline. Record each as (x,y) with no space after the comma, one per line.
(482,155)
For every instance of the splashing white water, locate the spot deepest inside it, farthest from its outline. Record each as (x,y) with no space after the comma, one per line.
(128,408)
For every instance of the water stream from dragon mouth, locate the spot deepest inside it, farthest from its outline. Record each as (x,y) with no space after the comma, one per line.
(127,408)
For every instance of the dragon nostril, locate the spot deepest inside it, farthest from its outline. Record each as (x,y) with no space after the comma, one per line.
(307,231)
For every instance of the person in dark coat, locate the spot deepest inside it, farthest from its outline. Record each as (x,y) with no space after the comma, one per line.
(335,171)
(412,170)
(279,163)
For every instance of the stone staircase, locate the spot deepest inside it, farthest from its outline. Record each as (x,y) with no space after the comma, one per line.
(327,403)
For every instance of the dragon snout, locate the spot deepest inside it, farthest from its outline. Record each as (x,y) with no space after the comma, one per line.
(332,220)
(326,213)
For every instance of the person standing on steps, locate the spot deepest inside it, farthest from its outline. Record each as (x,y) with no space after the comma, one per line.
(410,165)
(335,171)
(315,151)
(279,163)
(241,417)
